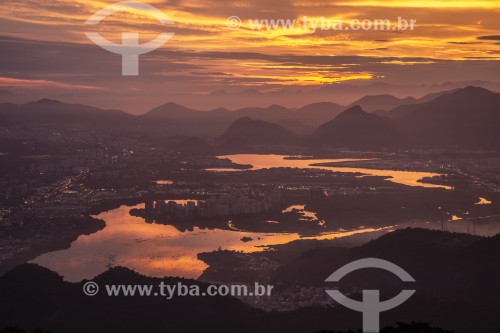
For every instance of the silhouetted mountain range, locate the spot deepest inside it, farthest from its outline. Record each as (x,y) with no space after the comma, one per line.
(374,103)
(405,109)
(47,111)
(465,117)
(318,113)
(312,114)
(171,111)
(468,117)
(179,120)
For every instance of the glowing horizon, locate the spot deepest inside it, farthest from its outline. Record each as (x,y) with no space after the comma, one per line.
(452,41)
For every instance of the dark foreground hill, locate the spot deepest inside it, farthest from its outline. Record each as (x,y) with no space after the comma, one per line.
(447,266)
(457,289)
(403,328)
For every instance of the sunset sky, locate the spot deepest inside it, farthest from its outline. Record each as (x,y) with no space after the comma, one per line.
(44,50)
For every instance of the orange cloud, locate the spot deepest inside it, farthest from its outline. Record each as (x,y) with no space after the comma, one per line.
(36,84)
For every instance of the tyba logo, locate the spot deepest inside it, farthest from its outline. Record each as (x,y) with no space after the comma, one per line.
(129,49)
(371,306)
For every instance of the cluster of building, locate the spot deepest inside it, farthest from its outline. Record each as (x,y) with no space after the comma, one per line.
(221,206)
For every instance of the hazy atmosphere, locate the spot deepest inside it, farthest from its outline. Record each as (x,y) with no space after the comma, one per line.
(256,166)
(207,65)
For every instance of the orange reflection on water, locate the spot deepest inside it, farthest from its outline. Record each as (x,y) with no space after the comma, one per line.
(164,182)
(483,201)
(156,249)
(305,214)
(259,161)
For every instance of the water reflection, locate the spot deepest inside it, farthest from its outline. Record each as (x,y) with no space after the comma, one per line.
(304,214)
(483,201)
(259,161)
(158,249)
(163,250)
(164,182)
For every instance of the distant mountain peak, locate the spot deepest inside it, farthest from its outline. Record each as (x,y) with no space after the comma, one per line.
(380,96)
(221,109)
(372,103)
(356,109)
(473,91)
(355,112)
(168,109)
(276,107)
(47,101)
(467,117)
(250,91)
(172,104)
(356,128)
(6,93)
(245,120)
